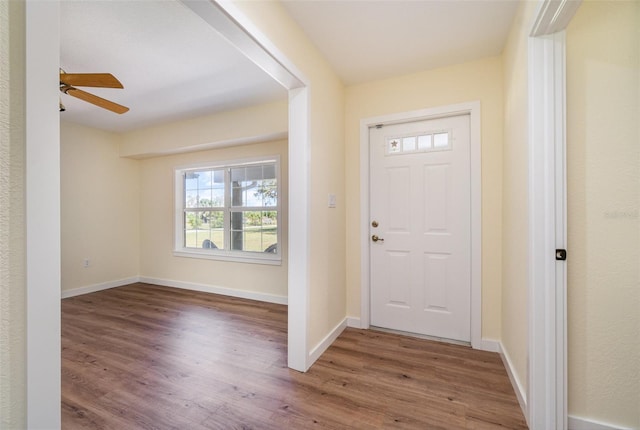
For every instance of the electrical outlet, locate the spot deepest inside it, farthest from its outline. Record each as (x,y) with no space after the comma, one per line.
(85,263)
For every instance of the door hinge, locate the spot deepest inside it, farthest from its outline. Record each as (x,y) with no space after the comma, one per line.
(561,254)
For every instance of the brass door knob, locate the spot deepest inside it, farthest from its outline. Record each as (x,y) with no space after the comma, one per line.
(376,238)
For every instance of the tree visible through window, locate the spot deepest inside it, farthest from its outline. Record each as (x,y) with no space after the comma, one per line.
(254,212)
(230,210)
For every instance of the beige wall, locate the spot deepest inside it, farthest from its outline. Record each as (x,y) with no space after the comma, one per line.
(118,212)
(326,126)
(13,381)
(515,240)
(157,226)
(249,125)
(603,152)
(479,80)
(100,209)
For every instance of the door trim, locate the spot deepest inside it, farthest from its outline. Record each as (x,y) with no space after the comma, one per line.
(547,296)
(473,110)
(546,397)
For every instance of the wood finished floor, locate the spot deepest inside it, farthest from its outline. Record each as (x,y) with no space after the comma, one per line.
(149,357)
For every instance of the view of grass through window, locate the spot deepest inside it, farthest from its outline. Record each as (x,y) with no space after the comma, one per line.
(232,208)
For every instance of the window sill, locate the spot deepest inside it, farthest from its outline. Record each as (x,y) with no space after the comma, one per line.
(272,260)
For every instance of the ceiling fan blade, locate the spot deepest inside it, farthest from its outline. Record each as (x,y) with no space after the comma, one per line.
(102,80)
(98,101)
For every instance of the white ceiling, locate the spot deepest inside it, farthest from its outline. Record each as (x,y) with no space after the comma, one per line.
(173,65)
(368,40)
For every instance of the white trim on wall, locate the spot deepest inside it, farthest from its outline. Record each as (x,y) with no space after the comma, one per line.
(325,343)
(547,376)
(42,31)
(353,322)
(192,286)
(578,423)
(299,281)
(473,110)
(214,289)
(545,397)
(521,394)
(490,345)
(242,34)
(553,16)
(94,288)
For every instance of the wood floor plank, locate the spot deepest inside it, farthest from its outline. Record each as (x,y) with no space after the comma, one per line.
(150,357)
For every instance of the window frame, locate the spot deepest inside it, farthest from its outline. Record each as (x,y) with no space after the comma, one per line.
(227,254)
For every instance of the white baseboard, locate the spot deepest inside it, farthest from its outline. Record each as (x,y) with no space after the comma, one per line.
(490,345)
(353,322)
(515,382)
(252,295)
(98,287)
(325,343)
(577,423)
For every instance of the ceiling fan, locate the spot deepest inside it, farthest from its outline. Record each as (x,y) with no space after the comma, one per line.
(68,81)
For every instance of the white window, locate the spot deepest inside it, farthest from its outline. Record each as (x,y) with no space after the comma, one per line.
(229,211)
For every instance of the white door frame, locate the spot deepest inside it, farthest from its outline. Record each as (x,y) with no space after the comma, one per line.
(547,380)
(473,110)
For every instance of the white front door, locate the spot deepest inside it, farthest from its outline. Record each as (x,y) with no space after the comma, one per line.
(420,227)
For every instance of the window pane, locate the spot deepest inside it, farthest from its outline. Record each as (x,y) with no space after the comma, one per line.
(204,229)
(408,144)
(217,197)
(393,146)
(191,181)
(265,193)
(238,194)
(204,188)
(441,140)
(269,171)
(424,141)
(204,198)
(254,186)
(204,179)
(193,229)
(191,198)
(254,231)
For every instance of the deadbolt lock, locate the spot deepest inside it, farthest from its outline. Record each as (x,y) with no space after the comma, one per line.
(374,223)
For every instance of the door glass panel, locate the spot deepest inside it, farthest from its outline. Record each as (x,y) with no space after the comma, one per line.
(393,146)
(441,140)
(408,144)
(424,142)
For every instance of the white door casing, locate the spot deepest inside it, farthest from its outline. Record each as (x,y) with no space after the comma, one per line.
(546,396)
(473,110)
(420,202)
